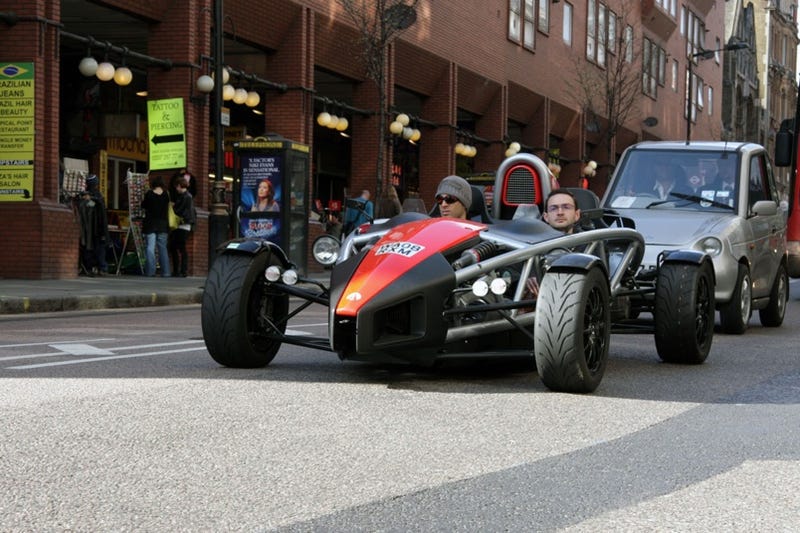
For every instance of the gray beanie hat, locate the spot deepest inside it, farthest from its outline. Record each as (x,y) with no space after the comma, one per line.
(457,187)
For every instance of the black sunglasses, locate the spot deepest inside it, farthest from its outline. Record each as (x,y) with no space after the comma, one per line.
(446,199)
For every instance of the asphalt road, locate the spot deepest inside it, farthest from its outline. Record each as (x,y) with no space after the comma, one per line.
(120,421)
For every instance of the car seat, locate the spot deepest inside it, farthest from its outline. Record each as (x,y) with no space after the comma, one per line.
(589,204)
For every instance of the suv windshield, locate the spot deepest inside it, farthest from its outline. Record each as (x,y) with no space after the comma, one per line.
(678,179)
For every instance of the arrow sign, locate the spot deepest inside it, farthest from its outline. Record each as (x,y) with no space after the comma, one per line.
(167,138)
(167,133)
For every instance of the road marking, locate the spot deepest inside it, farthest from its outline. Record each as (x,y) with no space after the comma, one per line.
(85,349)
(95,359)
(81,349)
(51,342)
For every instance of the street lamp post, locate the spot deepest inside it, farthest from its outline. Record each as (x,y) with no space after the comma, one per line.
(702,54)
(218,218)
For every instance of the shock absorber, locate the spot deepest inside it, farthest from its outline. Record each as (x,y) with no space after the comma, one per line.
(473,255)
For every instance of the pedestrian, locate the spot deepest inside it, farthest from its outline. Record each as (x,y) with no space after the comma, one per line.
(454,196)
(155,227)
(390,205)
(184,208)
(94,228)
(360,214)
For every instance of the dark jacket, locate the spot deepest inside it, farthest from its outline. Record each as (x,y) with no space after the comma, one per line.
(94,220)
(184,207)
(155,212)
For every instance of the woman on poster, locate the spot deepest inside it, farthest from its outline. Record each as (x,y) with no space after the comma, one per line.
(265,198)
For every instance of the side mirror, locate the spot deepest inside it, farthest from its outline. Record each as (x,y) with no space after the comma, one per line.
(784,141)
(764,208)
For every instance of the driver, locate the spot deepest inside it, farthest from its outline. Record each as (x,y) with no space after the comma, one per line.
(454,197)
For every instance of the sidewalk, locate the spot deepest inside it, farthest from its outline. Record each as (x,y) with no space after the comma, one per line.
(107,292)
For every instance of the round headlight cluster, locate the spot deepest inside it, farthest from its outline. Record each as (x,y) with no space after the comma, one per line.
(712,246)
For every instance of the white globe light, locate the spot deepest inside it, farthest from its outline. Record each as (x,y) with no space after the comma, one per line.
(403,119)
(515,147)
(324,118)
(593,164)
(240,96)
(459,149)
(105,71)
(396,128)
(342,124)
(509,152)
(415,135)
(226,76)
(205,83)
(88,66)
(123,76)
(334,121)
(227,92)
(252,99)
(407,133)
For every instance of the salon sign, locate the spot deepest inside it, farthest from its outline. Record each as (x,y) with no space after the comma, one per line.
(166,130)
(17,126)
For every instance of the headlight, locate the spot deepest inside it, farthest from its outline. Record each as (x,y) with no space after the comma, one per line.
(712,246)
(290,277)
(273,273)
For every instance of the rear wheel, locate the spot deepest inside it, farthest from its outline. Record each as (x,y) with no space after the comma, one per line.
(684,312)
(735,315)
(239,312)
(772,315)
(572,330)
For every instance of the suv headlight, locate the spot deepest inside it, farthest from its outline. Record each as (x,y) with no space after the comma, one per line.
(712,246)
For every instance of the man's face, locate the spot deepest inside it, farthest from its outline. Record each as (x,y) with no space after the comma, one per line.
(450,207)
(561,212)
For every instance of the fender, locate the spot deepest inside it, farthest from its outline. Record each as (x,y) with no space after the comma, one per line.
(577,261)
(694,257)
(254,247)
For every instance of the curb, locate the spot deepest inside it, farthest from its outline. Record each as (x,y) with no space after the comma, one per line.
(25,305)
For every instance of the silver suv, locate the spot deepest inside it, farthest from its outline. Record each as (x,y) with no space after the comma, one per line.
(717,197)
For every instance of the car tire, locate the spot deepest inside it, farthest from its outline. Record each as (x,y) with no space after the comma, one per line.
(572,330)
(735,315)
(772,315)
(684,312)
(238,309)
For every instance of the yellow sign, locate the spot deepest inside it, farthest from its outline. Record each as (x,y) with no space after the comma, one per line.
(166,133)
(17,117)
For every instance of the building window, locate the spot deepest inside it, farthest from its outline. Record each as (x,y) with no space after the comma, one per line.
(629,44)
(544,15)
(514,21)
(528,34)
(601,28)
(696,103)
(521,23)
(717,48)
(566,24)
(710,100)
(674,75)
(695,33)
(654,59)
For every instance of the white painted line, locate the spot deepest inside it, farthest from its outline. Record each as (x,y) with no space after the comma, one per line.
(99,351)
(81,349)
(51,342)
(95,359)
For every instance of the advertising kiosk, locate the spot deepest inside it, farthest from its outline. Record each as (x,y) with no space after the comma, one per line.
(271,194)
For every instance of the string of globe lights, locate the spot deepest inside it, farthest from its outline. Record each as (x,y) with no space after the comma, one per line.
(465,146)
(332,114)
(401,127)
(105,70)
(238,95)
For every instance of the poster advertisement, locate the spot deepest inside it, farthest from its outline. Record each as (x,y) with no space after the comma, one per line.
(261,183)
(17,117)
(263,228)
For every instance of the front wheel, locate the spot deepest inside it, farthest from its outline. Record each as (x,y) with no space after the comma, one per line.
(325,250)
(772,315)
(735,315)
(684,312)
(572,330)
(240,314)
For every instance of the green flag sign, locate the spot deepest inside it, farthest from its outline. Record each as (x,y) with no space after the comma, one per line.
(166,133)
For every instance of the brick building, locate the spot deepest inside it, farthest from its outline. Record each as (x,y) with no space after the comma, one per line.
(469,72)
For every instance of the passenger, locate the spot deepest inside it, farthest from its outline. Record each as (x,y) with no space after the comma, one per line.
(454,197)
(667,175)
(561,211)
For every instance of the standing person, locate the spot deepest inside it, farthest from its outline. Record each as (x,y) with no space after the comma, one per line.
(184,208)
(94,228)
(155,227)
(354,217)
(389,206)
(561,211)
(265,197)
(454,196)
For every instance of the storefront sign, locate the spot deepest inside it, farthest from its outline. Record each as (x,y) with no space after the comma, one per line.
(17,118)
(166,133)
